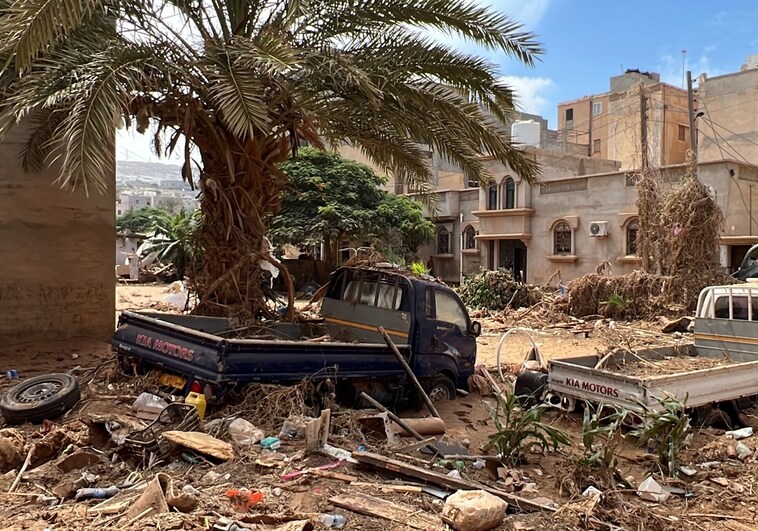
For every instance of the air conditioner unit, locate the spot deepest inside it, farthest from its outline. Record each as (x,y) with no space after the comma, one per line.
(598,229)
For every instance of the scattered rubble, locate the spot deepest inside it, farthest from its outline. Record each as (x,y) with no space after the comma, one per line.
(340,468)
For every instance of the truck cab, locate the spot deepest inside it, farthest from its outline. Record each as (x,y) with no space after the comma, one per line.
(419,312)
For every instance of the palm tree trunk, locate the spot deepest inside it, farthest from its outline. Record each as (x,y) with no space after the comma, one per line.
(238,193)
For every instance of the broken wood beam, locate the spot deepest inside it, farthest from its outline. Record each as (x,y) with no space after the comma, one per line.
(409,372)
(397,420)
(442,480)
(394,512)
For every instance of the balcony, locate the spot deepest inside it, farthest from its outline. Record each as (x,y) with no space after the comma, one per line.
(513,223)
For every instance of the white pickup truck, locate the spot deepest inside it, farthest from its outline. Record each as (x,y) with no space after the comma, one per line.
(719,368)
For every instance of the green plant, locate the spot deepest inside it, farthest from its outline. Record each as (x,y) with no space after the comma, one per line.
(418,268)
(175,240)
(669,430)
(615,305)
(519,427)
(601,435)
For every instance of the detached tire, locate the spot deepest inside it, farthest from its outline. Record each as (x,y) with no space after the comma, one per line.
(441,388)
(40,398)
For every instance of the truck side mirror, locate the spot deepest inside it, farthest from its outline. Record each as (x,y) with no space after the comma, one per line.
(475,329)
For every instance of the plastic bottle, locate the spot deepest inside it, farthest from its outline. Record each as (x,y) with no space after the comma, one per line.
(333,520)
(83,494)
(197,399)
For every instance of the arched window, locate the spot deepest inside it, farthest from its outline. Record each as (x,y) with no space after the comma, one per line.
(492,197)
(469,238)
(510,193)
(562,238)
(632,230)
(443,241)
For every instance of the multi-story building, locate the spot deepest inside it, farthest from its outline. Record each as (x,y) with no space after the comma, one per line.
(128,202)
(612,124)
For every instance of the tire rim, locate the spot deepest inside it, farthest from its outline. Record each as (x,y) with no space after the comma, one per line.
(439,393)
(38,392)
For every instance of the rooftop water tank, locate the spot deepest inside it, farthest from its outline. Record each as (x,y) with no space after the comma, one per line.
(526,133)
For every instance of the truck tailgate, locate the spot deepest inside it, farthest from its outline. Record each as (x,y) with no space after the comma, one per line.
(184,350)
(694,388)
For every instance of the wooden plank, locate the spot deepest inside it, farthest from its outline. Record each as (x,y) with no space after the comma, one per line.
(332,475)
(414,446)
(442,480)
(317,432)
(373,506)
(385,487)
(409,372)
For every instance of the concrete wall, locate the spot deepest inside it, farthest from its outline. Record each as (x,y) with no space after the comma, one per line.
(728,128)
(56,249)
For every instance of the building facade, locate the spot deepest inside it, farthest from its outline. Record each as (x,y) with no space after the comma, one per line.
(638,110)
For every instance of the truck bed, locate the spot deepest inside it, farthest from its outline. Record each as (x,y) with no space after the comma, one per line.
(197,349)
(723,380)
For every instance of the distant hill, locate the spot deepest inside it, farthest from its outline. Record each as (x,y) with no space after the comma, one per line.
(152,172)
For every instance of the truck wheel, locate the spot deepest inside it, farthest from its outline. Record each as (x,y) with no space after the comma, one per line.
(442,388)
(530,387)
(40,398)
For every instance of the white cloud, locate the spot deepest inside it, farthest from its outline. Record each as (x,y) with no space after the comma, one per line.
(528,13)
(531,93)
(670,68)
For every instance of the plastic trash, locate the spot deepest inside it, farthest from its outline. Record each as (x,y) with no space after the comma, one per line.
(651,490)
(270,443)
(454,474)
(479,464)
(84,494)
(333,520)
(11,374)
(743,451)
(244,433)
(189,489)
(591,492)
(148,406)
(742,433)
(243,499)
(293,428)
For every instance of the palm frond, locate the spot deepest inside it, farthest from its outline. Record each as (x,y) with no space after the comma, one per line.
(31,26)
(237,94)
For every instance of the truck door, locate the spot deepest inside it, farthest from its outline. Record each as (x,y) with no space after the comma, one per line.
(448,330)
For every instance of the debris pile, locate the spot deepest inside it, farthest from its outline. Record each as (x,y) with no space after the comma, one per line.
(497,290)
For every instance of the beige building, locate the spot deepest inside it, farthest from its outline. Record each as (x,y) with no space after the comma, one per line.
(56,250)
(612,124)
(727,118)
(571,224)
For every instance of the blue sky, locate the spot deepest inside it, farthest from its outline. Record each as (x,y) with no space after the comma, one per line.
(587,42)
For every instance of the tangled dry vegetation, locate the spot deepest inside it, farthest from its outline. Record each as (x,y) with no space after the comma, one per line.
(678,242)
(497,290)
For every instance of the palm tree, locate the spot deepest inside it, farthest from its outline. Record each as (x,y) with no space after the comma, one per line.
(240,84)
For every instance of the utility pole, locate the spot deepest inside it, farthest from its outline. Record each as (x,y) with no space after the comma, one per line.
(643,129)
(691,109)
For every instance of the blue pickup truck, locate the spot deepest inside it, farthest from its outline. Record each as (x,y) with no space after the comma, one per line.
(426,320)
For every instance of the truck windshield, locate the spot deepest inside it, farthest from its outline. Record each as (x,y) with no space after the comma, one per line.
(365,292)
